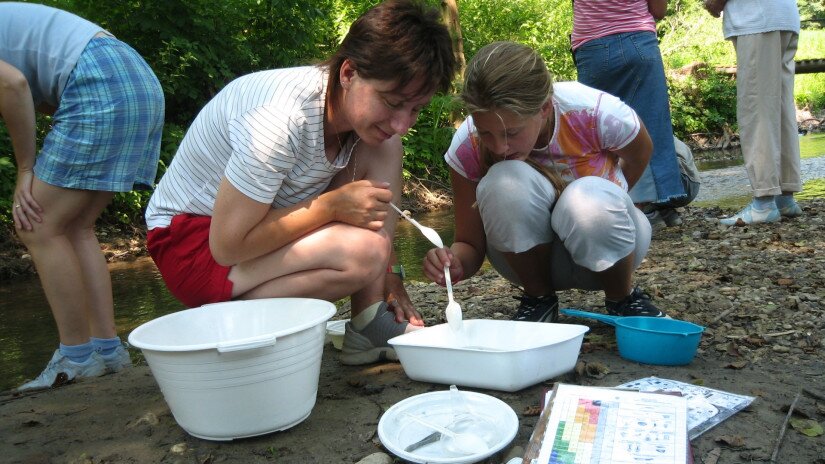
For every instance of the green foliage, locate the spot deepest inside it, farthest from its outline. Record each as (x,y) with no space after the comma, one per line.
(809,89)
(426,142)
(544,25)
(812,14)
(196,47)
(702,104)
(689,34)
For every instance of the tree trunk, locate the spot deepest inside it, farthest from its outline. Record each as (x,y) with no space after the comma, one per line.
(449,10)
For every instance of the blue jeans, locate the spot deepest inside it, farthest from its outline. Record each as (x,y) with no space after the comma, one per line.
(629,66)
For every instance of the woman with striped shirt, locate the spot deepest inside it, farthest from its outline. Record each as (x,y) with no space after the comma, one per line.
(281,186)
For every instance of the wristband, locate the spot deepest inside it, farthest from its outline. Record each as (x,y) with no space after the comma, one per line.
(398,270)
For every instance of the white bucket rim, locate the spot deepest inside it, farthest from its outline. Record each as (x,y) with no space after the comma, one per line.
(135,341)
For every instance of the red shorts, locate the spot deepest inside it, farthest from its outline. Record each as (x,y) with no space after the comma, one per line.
(181,253)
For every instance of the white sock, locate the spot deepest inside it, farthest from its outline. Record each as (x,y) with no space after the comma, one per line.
(365,317)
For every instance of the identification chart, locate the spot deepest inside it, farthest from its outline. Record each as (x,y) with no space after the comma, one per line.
(706,406)
(603,425)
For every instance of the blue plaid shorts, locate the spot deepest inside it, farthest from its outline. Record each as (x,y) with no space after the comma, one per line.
(108,125)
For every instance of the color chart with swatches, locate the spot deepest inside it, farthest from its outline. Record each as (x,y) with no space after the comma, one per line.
(595,425)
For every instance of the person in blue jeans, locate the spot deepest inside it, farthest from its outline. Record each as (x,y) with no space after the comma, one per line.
(107,112)
(616,50)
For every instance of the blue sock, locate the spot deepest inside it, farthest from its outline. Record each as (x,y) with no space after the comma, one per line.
(785,200)
(763,203)
(105,345)
(77,353)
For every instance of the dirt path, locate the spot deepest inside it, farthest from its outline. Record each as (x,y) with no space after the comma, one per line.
(758,290)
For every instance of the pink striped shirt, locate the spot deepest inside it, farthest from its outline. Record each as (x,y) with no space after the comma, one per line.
(599,18)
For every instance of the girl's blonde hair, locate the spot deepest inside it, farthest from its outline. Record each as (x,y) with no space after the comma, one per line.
(513,77)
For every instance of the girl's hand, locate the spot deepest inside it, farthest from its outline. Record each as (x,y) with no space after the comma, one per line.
(25,209)
(434,262)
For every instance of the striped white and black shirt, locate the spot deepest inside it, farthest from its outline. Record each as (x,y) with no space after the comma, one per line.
(264,132)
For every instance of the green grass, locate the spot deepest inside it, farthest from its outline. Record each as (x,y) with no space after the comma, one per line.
(812,145)
(734,203)
(814,188)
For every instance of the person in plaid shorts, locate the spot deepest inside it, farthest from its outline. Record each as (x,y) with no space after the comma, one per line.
(107,108)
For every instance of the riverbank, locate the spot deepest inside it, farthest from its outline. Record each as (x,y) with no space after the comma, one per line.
(758,290)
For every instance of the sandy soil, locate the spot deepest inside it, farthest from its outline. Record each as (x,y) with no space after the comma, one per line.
(758,290)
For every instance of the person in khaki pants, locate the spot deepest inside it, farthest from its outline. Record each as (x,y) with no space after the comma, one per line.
(764,34)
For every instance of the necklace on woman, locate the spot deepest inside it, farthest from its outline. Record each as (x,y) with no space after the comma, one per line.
(352,155)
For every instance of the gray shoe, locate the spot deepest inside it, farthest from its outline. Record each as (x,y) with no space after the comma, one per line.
(116,360)
(657,222)
(370,344)
(790,211)
(61,370)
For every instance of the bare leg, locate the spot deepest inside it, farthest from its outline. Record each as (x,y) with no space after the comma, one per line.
(331,263)
(94,269)
(73,279)
(617,280)
(533,269)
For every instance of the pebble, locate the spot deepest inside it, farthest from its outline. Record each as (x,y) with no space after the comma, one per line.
(376,458)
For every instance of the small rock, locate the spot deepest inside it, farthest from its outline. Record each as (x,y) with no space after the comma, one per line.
(179,448)
(376,458)
(149,419)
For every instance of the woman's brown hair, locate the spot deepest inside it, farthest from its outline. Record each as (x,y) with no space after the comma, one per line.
(397,41)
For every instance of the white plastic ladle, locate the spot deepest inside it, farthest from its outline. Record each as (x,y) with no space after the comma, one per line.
(453,311)
(464,443)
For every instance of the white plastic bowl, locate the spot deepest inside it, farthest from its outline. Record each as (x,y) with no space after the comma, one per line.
(397,431)
(499,355)
(238,369)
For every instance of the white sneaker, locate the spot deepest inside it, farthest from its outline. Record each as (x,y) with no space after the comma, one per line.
(116,360)
(751,215)
(61,370)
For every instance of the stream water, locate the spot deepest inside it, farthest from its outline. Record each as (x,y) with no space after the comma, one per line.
(28,335)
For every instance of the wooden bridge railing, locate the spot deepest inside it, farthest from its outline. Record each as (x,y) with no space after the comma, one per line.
(802,67)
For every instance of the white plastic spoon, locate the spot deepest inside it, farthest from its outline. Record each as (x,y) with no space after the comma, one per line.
(453,311)
(428,232)
(464,443)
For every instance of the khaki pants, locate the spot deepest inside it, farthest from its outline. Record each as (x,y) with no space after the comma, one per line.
(766,111)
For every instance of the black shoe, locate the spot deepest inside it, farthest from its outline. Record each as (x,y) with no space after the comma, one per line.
(636,304)
(537,308)
(671,217)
